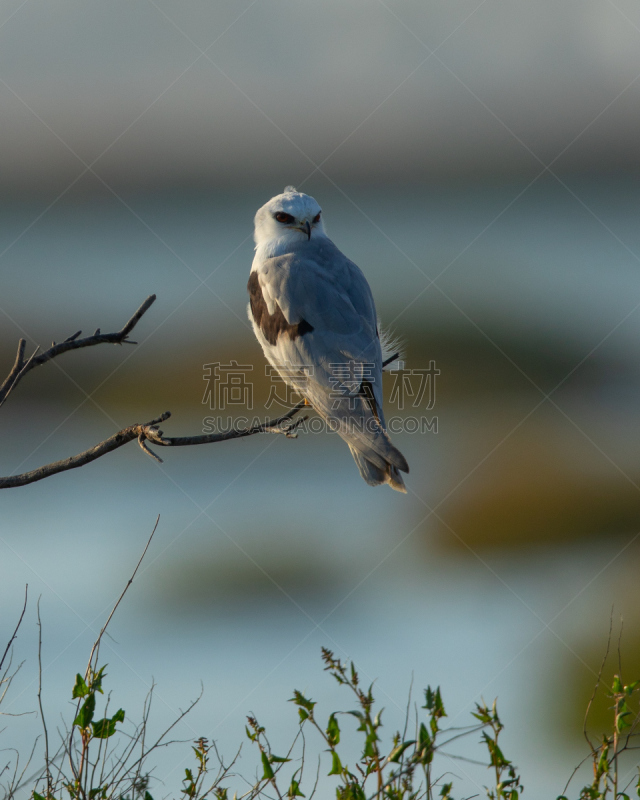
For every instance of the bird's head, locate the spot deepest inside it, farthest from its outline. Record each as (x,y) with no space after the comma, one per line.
(287,218)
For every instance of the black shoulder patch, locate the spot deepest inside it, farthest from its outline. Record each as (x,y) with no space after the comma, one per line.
(272,325)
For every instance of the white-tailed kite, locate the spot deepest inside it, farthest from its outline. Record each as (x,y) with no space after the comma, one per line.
(313,313)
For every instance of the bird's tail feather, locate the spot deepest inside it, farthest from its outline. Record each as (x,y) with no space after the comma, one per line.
(376,446)
(375,475)
(363,428)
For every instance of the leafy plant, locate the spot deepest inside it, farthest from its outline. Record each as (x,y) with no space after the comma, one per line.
(403,769)
(97,760)
(103,756)
(605,756)
(508,782)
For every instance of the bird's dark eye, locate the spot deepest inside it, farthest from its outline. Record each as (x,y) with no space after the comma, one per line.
(287,219)
(316,219)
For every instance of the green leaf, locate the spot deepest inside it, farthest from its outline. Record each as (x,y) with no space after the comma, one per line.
(369,746)
(300,700)
(396,753)
(80,689)
(104,728)
(482,713)
(433,702)
(603,763)
(147,796)
(333,730)
(622,723)
(352,791)
(423,736)
(336,766)
(359,715)
(278,760)
(85,715)
(96,683)
(268,772)
(496,755)
(294,789)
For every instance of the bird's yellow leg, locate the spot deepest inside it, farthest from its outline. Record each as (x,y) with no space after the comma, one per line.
(306,402)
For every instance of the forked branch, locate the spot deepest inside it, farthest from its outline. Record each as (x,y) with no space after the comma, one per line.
(143,432)
(22,365)
(149,431)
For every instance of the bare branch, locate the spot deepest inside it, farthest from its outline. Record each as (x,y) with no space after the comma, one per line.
(93,664)
(15,633)
(280,425)
(143,432)
(15,370)
(149,431)
(22,367)
(112,443)
(44,723)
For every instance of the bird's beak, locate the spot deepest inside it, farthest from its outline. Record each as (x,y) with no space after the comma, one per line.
(306,228)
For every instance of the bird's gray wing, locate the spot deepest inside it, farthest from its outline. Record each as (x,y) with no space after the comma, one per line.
(319,291)
(318,288)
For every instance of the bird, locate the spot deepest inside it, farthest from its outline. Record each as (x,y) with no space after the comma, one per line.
(313,313)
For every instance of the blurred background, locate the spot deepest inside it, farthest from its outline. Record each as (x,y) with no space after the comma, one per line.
(480,162)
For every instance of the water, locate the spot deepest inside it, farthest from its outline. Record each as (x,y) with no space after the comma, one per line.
(269,548)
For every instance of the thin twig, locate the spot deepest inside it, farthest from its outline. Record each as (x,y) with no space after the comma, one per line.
(620,646)
(595,688)
(142,432)
(15,633)
(93,657)
(96,645)
(21,368)
(149,431)
(17,366)
(25,368)
(44,724)
(112,443)
(159,741)
(575,770)
(589,704)
(273,426)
